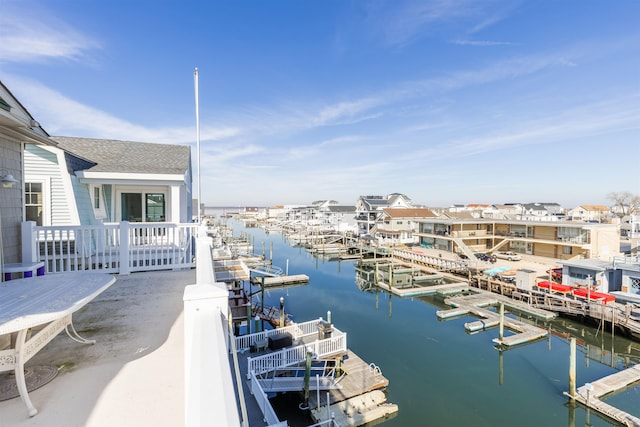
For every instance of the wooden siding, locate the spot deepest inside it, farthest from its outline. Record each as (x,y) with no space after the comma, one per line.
(11,202)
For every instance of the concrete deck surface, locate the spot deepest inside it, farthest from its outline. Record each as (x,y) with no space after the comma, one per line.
(132,376)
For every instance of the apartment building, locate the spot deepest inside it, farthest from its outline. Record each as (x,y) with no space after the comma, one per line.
(563,240)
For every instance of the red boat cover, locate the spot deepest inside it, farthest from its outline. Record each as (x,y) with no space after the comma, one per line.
(581,292)
(557,287)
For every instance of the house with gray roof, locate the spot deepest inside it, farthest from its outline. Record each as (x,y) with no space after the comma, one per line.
(17,128)
(83,181)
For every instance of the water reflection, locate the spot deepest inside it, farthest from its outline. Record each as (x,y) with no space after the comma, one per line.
(440,376)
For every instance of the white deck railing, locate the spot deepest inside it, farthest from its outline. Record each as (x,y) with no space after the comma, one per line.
(297,330)
(112,248)
(262,399)
(209,387)
(294,355)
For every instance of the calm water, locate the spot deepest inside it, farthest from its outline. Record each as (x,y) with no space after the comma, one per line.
(440,375)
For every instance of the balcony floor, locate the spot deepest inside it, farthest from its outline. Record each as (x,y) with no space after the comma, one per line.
(132,376)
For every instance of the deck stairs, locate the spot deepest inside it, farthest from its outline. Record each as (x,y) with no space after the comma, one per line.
(464,248)
(499,245)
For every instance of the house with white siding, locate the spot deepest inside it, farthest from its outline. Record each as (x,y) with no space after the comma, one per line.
(82,181)
(591,213)
(370,209)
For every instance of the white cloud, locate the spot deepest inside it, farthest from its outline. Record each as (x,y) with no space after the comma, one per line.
(60,115)
(26,37)
(404,21)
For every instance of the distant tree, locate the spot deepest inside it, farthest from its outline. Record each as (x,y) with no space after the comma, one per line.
(625,202)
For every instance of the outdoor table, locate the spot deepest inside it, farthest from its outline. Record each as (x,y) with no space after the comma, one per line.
(45,302)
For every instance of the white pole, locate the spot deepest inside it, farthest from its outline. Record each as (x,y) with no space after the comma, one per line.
(195,82)
(318,394)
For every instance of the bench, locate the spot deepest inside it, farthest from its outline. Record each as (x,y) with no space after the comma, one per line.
(26,268)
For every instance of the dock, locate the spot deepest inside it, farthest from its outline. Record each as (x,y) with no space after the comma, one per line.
(475,304)
(359,398)
(358,410)
(361,377)
(269,282)
(419,290)
(591,394)
(346,387)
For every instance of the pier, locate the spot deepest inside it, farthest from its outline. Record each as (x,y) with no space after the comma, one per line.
(474,304)
(591,394)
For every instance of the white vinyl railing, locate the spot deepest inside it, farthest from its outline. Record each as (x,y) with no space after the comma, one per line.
(294,355)
(209,388)
(297,330)
(112,248)
(262,399)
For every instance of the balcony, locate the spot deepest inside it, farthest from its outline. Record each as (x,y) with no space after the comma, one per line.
(160,357)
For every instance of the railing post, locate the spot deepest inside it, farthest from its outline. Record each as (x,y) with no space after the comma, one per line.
(124,248)
(29,243)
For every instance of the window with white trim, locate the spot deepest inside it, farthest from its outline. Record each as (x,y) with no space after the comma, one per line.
(34,202)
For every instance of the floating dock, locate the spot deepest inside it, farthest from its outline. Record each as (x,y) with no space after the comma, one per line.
(419,290)
(474,304)
(296,279)
(590,395)
(358,410)
(359,399)
(343,389)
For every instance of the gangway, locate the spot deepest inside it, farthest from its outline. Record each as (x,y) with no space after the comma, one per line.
(292,379)
(266,270)
(284,384)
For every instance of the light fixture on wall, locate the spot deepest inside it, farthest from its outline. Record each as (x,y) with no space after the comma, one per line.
(8,181)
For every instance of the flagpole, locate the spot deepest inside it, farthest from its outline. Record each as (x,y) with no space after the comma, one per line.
(195,82)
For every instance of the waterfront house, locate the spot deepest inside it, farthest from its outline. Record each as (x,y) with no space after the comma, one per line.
(81,181)
(342,218)
(398,226)
(370,209)
(17,127)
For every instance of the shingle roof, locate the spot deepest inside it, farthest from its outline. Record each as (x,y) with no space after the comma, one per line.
(342,208)
(410,213)
(595,208)
(128,156)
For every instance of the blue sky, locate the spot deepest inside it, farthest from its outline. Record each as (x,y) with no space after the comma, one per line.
(445,101)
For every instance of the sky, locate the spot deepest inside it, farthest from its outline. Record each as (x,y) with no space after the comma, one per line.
(447,102)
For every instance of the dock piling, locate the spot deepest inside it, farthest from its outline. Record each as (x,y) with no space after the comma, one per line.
(282,312)
(572,368)
(501,333)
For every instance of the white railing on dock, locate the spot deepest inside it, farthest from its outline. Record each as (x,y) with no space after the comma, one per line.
(297,330)
(112,247)
(263,403)
(294,355)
